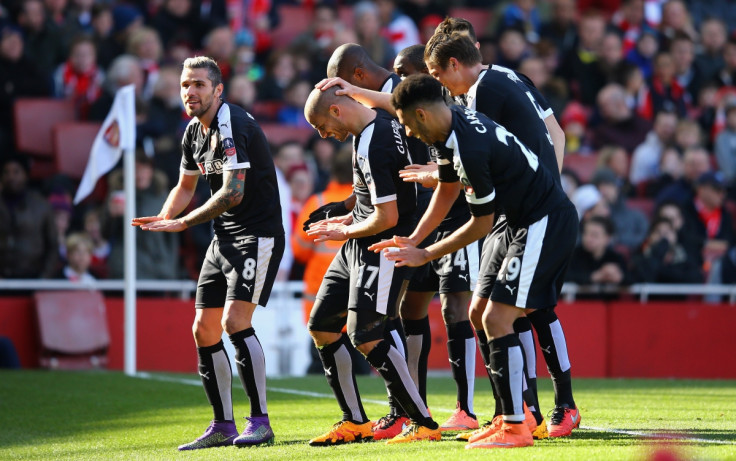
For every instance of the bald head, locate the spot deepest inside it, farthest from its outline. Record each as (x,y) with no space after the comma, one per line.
(352,63)
(319,102)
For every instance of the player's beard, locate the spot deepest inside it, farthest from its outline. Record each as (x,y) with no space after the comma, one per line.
(204,106)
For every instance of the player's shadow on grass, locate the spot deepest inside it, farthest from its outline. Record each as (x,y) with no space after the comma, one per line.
(670,435)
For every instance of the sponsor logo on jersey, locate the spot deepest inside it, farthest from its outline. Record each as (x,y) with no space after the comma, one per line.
(396,127)
(229,146)
(211,167)
(472,117)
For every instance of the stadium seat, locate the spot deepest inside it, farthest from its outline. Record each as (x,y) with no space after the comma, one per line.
(72,144)
(34,121)
(277,133)
(583,165)
(480,18)
(73,329)
(293,20)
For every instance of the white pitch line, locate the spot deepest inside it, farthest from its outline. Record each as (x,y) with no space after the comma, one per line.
(320,395)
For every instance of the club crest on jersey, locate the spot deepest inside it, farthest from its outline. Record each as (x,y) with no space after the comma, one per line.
(357,180)
(229,146)
(211,167)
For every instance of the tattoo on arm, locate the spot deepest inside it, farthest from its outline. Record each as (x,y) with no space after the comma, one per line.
(233,188)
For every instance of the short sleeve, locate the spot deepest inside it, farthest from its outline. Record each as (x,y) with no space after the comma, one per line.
(188,165)
(472,170)
(235,145)
(377,163)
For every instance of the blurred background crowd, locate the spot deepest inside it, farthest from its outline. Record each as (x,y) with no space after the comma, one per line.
(644,89)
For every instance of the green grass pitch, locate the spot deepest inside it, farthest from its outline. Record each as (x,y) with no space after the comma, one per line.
(48,415)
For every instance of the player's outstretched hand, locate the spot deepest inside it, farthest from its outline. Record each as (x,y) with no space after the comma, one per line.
(145,220)
(394,242)
(346,88)
(326,211)
(404,253)
(328,230)
(422,174)
(165,225)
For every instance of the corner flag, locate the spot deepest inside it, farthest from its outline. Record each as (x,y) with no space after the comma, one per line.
(116,134)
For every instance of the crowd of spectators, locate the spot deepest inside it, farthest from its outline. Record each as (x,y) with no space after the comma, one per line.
(646,88)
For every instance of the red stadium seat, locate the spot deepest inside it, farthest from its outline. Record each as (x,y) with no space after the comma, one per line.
(34,122)
(293,20)
(277,134)
(583,165)
(72,145)
(480,18)
(72,329)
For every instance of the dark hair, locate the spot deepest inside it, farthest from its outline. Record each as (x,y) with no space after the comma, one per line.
(450,25)
(415,89)
(441,47)
(414,54)
(656,222)
(205,62)
(604,222)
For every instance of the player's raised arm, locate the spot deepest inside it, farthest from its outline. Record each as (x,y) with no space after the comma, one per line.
(364,96)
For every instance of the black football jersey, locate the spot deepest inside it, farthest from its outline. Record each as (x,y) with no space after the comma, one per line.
(497,170)
(379,152)
(511,100)
(423,154)
(211,153)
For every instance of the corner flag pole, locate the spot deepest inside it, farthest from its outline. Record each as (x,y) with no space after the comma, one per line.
(129,262)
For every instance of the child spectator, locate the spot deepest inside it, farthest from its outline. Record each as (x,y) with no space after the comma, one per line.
(79,258)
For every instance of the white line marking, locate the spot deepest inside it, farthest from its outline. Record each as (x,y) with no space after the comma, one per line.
(320,395)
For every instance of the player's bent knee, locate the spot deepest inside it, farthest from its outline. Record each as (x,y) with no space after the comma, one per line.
(323,338)
(366,348)
(475,312)
(206,334)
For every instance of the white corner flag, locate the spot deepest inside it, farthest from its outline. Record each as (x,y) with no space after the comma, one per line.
(116,134)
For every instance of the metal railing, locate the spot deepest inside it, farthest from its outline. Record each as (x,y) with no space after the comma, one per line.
(187,288)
